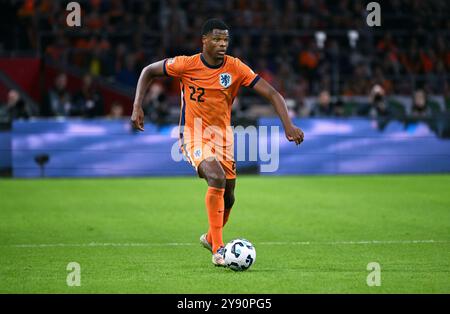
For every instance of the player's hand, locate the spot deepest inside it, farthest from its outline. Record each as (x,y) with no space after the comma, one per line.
(137,118)
(294,134)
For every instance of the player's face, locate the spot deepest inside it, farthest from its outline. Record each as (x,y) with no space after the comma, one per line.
(216,43)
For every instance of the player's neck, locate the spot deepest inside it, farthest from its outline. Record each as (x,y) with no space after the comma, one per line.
(210,61)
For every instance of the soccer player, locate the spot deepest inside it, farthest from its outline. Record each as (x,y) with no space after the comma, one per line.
(209,82)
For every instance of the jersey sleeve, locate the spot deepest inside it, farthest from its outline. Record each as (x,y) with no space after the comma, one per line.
(248,77)
(175,66)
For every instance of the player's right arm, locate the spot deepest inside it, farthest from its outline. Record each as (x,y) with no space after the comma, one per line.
(147,75)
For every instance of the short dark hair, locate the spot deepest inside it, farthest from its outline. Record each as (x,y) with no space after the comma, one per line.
(211,24)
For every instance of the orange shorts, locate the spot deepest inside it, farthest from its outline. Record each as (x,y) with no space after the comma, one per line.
(195,153)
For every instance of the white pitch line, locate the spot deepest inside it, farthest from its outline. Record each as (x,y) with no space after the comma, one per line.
(357,242)
(97,244)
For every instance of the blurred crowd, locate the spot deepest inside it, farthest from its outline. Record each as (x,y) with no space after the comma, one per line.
(408,55)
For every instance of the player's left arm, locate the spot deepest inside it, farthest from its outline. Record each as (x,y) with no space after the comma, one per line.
(293,133)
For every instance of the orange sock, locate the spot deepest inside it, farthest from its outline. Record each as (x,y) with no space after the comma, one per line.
(226,214)
(214,206)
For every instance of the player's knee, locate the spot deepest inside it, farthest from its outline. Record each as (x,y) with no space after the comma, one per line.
(229,200)
(216,179)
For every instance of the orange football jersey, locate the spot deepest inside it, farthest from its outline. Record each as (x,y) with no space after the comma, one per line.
(207,93)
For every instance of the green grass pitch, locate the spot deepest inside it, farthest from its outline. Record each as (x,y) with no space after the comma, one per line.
(312,235)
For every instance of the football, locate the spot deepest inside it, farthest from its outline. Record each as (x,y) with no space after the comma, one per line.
(239,254)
